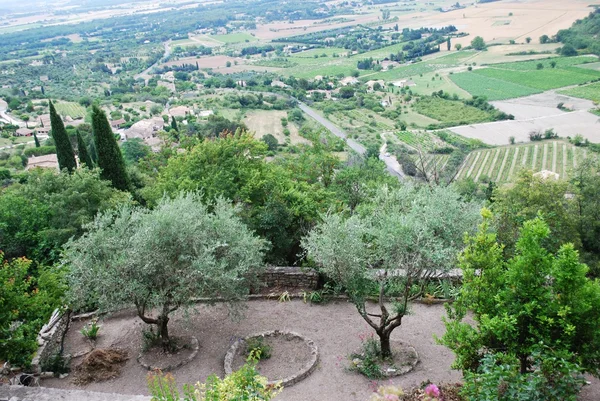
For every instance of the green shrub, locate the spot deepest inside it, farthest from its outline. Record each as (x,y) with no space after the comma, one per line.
(555,378)
(41,151)
(244,384)
(257,346)
(367,361)
(26,304)
(91,331)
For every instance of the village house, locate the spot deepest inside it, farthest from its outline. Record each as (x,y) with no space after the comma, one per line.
(205,113)
(43,120)
(116,124)
(348,81)
(388,64)
(147,130)
(278,84)
(405,83)
(370,84)
(180,111)
(23,132)
(42,130)
(46,161)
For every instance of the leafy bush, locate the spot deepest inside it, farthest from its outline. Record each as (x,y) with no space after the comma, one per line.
(25,305)
(498,379)
(242,385)
(368,359)
(91,331)
(257,346)
(41,151)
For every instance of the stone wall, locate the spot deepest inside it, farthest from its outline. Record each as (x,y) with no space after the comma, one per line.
(49,339)
(290,277)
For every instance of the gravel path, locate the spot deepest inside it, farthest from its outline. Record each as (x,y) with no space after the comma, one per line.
(335,328)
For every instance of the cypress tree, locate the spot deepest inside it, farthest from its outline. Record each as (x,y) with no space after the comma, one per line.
(64,150)
(37,141)
(110,159)
(84,156)
(174,124)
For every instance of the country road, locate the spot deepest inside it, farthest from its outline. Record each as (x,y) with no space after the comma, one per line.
(146,73)
(6,117)
(392,164)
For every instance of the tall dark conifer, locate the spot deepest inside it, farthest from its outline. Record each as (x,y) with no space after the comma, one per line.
(64,150)
(174,124)
(84,156)
(37,141)
(110,159)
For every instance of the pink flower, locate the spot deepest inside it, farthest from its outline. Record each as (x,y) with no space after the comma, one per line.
(432,391)
(391,397)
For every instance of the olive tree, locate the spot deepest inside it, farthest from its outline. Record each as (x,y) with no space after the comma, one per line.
(405,236)
(160,260)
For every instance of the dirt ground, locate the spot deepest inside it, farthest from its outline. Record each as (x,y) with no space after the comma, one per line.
(335,328)
(537,112)
(263,122)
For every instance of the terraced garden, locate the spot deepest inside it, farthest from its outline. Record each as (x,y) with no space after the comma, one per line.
(510,80)
(501,164)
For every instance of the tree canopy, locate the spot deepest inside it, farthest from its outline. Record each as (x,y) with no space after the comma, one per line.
(402,237)
(64,149)
(161,259)
(535,297)
(110,159)
(277,204)
(39,215)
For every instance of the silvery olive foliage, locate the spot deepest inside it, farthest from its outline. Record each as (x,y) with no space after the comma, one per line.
(404,236)
(161,259)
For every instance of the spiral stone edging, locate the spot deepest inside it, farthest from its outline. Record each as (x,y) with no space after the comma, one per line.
(306,370)
(195,348)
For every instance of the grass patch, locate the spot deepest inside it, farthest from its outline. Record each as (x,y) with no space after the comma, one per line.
(545,79)
(450,111)
(590,92)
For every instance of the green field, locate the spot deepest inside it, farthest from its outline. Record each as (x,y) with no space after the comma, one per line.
(234,38)
(590,92)
(450,111)
(71,109)
(510,80)
(493,89)
(16,28)
(501,164)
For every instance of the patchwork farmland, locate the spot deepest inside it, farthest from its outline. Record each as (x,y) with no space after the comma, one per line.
(502,164)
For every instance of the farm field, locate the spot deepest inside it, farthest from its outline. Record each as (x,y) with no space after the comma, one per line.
(263,122)
(510,80)
(234,38)
(71,109)
(590,92)
(501,164)
(450,111)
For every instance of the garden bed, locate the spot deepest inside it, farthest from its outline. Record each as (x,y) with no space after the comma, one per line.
(285,357)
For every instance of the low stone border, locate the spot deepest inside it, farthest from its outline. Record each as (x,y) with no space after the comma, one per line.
(404,369)
(195,348)
(306,370)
